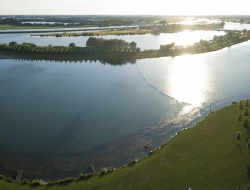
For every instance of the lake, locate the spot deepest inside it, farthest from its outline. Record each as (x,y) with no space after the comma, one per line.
(82,107)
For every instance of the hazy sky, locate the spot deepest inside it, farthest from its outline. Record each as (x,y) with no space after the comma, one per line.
(127,7)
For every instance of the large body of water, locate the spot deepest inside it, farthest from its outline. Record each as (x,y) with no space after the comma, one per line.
(50,107)
(78,105)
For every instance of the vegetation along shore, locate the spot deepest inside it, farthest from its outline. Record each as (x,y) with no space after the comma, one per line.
(162,27)
(117,49)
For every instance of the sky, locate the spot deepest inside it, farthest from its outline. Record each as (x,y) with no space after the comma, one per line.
(124,7)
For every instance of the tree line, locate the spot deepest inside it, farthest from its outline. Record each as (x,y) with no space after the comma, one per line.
(93,46)
(164,27)
(112,44)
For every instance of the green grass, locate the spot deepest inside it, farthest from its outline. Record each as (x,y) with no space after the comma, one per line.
(206,156)
(99,33)
(16,27)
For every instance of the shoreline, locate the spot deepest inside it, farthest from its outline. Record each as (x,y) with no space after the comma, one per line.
(57,167)
(111,56)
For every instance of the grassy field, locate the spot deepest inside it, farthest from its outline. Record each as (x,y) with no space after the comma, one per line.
(206,156)
(99,33)
(15,27)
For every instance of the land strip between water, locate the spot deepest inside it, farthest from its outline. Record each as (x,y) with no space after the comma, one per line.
(95,49)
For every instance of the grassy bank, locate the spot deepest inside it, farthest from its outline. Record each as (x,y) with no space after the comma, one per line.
(197,48)
(207,156)
(17,27)
(131,31)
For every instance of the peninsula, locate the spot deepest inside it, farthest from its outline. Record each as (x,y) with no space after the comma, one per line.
(116,49)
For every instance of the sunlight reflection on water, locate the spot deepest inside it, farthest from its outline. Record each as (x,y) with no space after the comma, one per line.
(187,81)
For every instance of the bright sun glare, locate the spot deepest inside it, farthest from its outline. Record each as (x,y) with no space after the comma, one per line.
(188,80)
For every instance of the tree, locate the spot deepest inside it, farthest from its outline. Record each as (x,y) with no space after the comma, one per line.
(133,46)
(241,106)
(238,135)
(72,45)
(247,104)
(246,113)
(163,22)
(12,43)
(246,122)
(240,116)
(229,34)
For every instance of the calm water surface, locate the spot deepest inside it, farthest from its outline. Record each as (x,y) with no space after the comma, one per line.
(77,106)
(74,106)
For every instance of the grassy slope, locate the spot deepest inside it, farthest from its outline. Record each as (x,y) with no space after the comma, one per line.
(203,157)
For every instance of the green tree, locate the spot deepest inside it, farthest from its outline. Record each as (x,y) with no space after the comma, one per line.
(163,22)
(72,45)
(241,106)
(246,123)
(133,46)
(240,117)
(246,113)
(247,104)
(12,43)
